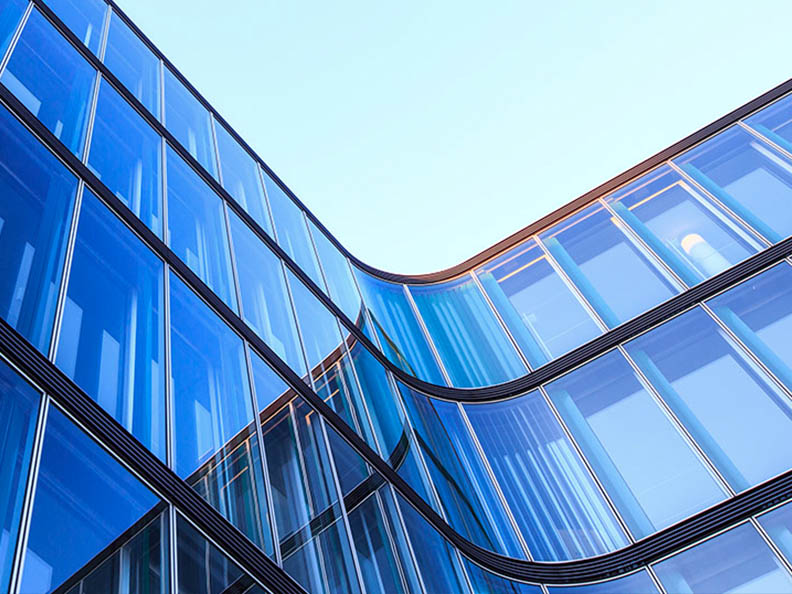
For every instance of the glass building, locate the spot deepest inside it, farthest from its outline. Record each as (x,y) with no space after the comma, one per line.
(203,392)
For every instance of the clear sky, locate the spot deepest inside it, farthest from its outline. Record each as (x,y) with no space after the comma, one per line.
(422,132)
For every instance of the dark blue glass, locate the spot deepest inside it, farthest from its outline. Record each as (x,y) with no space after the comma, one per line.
(189,121)
(338,274)
(85,18)
(469,338)
(11,12)
(202,568)
(775,122)
(35,214)
(126,154)
(111,339)
(18,405)
(84,501)
(778,525)
(197,228)
(52,80)
(134,64)
(636,583)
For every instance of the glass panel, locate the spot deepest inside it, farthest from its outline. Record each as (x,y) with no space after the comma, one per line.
(748,176)
(197,229)
(268,385)
(215,446)
(10,14)
(85,18)
(543,315)
(738,417)
(18,406)
(616,276)
(84,502)
(318,327)
(735,561)
(111,339)
(338,275)
(555,501)
(52,80)
(637,583)
(189,122)
(651,473)
(126,154)
(134,64)
(35,215)
(778,525)
(469,339)
(265,300)
(774,122)
(483,581)
(241,178)
(696,238)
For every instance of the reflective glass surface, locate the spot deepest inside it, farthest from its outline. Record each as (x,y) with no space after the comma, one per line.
(126,154)
(10,14)
(778,525)
(85,18)
(268,385)
(607,265)
(775,122)
(338,274)
(112,332)
(636,583)
(484,581)
(35,213)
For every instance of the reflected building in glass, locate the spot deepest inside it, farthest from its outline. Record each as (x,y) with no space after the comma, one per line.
(203,392)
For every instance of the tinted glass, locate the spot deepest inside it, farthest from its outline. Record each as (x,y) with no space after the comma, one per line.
(10,14)
(85,18)
(637,583)
(338,274)
(778,525)
(318,326)
(775,122)
(268,385)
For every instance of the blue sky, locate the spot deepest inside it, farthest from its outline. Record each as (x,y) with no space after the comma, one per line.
(421,133)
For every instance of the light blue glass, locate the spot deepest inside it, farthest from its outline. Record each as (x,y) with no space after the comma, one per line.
(338,274)
(265,299)
(214,438)
(318,327)
(555,502)
(484,582)
(400,335)
(202,567)
(18,405)
(543,315)
(606,264)
(650,472)
(52,80)
(35,214)
(292,230)
(774,122)
(636,583)
(197,228)
(134,64)
(126,154)
(778,525)
(268,385)
(112,332)
(736,414)
(11,12)
(469,339)
(77,476)
(747,175)
(693,235)
(85,18)
(189,121)
(736,561)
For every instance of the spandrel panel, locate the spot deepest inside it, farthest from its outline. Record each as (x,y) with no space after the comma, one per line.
(85,18)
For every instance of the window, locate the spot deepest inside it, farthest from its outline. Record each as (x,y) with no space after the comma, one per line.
(773,122)
(338,274)
(637,583)
(85,18)
(318,327)
(10,14)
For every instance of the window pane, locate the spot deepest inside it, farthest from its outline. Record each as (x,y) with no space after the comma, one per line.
(318,326)
(338,274)
(775,122)
(607,265)
(268,385)
(739,418)
(134,64)
(10,13)
(696,238)
(84,17)
(52,80)
(126,154)
(637,583)
(77,476)
(35,214)
(469,339)
(735,561)
(651,473)
(197,229)
(543,315)
(111,338)
(189,122)
(778,525)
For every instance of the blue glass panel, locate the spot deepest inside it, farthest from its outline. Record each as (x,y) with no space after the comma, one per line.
(338,275)
(35,214)
(10,13)
(268,385)
(134,64)
(52,80)
(292,230)
(189,121)
(748,176)
(84,501)
(616,276)
(126,154)
(85,18)
(543,315)
(637,583)
(18,406)
(778,525)
(555,502)
(111,340)
(318,327)
(775,122)
(736,561)
(202,567)
(484,582)
(197,229)
(400,335)
(265,300)
(469,339)
(738,417)
(214,438)
(693,235)
(649,470)
(241,178)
